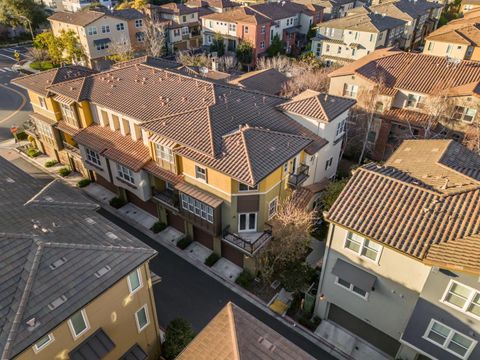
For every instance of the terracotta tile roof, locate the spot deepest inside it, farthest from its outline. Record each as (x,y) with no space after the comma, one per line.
(461,31)
(242,14)
(111,144)
(162,173)
(369,22)
(415,72)
(43,118)
(278,10)
(199,194)
(411,117)
(174,8)
(66,128)
(234,334)
(85,17)
(220,4)
(426,194)
(40,81)
(321,107)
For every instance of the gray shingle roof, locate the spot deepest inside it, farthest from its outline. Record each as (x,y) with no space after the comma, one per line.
(38,226)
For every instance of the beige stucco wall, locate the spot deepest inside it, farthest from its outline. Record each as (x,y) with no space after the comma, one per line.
(114,312)
(439,48)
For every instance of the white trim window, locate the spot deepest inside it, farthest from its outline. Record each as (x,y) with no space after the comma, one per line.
(105,29)
(125,173)
(449,340)
(272,208)
(414,101)
(247,222)
(201,173)
(43,343)
(141,318)
(342,125)
(164,153)
(138,23)
(68,114)
(78,323)
(93,157)
(92,30)
(352,288)
(363,247)
(44,129)
(244,187)
(463,298)
(42,102)
(349,90)
(464,114)
(185,31)
(197,207)
(134,280)
(120,27)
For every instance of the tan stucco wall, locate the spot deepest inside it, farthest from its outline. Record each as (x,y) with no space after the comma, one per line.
(114,312)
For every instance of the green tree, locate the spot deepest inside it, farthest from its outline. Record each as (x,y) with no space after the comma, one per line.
(139,4)
(331,193)
(70,44)
(276,47)
(21,12)
(218,45)
(245,53)
(178,335)
(53,46)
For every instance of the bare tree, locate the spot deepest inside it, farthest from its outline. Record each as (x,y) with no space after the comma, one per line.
(154,37)
(290,238)
(188,59)
(227,63)
(121,50)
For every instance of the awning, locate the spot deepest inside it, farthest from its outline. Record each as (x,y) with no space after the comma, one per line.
(134,353)
(158,139)
(198,194)
(43,119)
(101,41)
(66,128)
(354,275)
(95,347)
(63,99)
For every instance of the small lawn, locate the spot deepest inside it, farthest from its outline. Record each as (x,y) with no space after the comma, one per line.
(42,65)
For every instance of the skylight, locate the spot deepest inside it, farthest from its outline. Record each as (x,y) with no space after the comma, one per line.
(58,263)
(57,302)
(102,271)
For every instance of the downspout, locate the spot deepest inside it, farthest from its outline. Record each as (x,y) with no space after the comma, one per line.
(331,230)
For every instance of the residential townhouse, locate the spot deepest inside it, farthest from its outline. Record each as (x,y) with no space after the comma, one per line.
(181,23)
(98,29)
(469,5)
(211,160)
(332,9)
(208,6)
(235,334)
(76,5)
(419,96)
(260,23)
(74,285)
(402,261)
(352,37)
(459,39)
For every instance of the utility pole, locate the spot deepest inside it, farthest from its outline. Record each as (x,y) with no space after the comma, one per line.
(29,25)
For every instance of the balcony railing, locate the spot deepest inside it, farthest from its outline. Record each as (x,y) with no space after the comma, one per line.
(248,245)
(299,177)
(168,198)
(71,148)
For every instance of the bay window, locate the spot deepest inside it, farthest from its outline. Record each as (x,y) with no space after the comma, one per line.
(196,207)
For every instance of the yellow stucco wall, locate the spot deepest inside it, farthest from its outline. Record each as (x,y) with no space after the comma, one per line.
(113,311)
(52,111)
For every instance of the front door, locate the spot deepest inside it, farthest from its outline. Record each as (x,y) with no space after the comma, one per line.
(247,222)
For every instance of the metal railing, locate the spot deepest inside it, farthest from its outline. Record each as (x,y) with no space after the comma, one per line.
(71,148)
(299,177)
(167,197)
(248,246)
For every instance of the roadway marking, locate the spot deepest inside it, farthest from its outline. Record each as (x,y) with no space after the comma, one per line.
(24,101)
(7,69)
(8,57)
(2,70)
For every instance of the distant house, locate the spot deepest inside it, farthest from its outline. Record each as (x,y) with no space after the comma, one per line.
(76,5)
(402,262)
(469,5)
(332,9)
(74,285)
(234,334)
(270,81)
(99,30)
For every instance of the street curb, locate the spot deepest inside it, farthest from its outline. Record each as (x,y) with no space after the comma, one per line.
(321,343)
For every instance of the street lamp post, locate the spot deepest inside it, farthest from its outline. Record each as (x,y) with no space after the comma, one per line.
(29,25)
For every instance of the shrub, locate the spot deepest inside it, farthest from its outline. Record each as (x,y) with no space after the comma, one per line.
(84,182)
(245,279)
(32,152)
(308,322)
(184,242)
(21,135)
(51,163)
(65,171)
(177,336)
(117,202)
(42,65)
(158,226)
(212,259)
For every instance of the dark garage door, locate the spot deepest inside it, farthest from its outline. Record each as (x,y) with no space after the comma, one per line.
(148,206)
(360,328)
(105,183)
(232,254)
(203,237)
(175,221)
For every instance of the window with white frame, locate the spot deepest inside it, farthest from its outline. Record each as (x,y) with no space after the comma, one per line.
(350,90)
(138,23)
(102,45)
(93,157)
(449,339)
(140,36)
(464,114)
(134,280)
(201,173)
(125,173)
(232,27)
(245,187)
(44,129)
(245,29)
(42,102)
(352,288)
(462,297)
(141,317)
(247,222)
(185,30)
(341,127)
(414,101)
(92,30)
(363,247)
(164,153)
(197,207)
(120,27)
(328,163)
(43,343)
(105,29)
(78,323)
(272,208)
(68,114)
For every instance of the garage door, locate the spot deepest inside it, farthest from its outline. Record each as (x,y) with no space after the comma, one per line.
(360,328)
(203,237)
(105,183)
(148,206)
(232,254)
(175,221)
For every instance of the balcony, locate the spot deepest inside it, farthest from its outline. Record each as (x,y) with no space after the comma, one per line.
(298,178)
(249,243)
(167,198)
(71,149)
